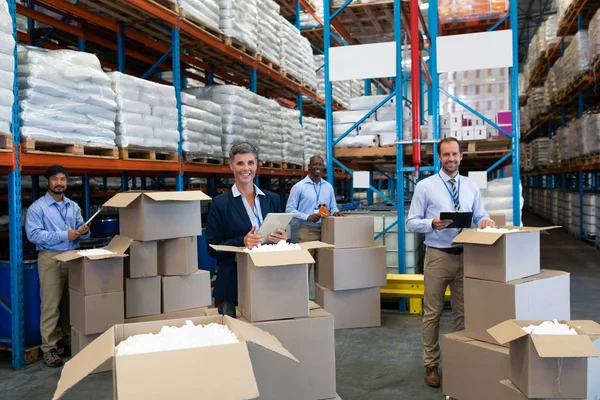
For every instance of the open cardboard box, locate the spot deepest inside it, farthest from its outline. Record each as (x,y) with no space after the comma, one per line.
(501,257)
(273,285)
(550,366)
(224,372)
(97,274)
(148,216)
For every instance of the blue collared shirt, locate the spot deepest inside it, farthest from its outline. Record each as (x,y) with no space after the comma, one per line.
(431,197)
(257,210)
(48,223)
(305,198)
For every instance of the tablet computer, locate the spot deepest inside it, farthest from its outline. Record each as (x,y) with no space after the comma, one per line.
(460,219)
(272,222)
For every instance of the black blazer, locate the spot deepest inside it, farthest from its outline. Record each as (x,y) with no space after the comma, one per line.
(228,223)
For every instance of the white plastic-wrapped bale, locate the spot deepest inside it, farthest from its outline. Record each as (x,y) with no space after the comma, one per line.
(308,62)
(594,37)
(240,114)
(271,138)
(591,133)
(147,113)
(7,67)
(540,150)
(575,61)
(239,20)
(312,141)
(201,128)
(64,96)
(202,12)
(269,39)
(293,142)
(554,152)
(498,198)
(574,129)
(291,55)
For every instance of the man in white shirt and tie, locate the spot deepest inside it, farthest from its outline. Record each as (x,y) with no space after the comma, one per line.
(443,192)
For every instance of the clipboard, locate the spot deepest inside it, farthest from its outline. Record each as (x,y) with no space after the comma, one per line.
(272,222)
(461,219)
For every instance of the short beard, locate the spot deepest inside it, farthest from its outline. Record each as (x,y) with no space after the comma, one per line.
(54,191)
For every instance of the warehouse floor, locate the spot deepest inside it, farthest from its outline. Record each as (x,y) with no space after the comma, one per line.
(381,363)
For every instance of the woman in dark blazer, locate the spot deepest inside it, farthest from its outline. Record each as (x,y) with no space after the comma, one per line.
(234,218)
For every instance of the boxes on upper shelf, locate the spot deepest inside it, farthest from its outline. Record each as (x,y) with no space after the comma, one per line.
(142,260)
(184,292)
(348,231)
(178,256)
(342,269)
(508,256)
(146,216)
(356,308)
(142,296)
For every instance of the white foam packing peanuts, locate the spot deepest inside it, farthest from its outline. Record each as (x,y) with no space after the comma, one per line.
(497,230)
(95,252)
(268,248)
(146,113)
(64,96)
(239,20)
(174,338)
(550,328)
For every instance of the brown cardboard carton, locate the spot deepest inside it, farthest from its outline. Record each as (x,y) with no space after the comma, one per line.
(191,313)
(211,312)
(97,274)
(142,296)
(498,218)
(149,216)
(186,291)
(488,303)
(79,341)
(551,366)
(142,261)
(472,370)
(180,373)
(501,257)
(511,392)
(312,341)
(273,285)
(356,308)
(97,312)
(178,256)
(349,231)
(343,269)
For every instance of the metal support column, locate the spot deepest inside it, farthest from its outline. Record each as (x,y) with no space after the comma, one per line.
(175,58)
(86,196)
(516,123)
(434,109)
(121,47)
(328,94)
(35,187)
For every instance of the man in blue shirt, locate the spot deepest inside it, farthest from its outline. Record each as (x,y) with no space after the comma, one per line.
(304,201)
(443,192)
(55,225)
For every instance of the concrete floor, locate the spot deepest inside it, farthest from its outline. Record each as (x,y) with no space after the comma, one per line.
(380,363)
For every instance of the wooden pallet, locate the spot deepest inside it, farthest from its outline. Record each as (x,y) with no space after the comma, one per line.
(135,153)
(293,78)
(32,354)
(5,142)
(232,42)
(203,160)
(292,166)
(56,148)
(173,6)
(572,87)
(269,164)
(585,8)
(200,25)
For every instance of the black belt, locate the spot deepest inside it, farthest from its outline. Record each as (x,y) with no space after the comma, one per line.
(449,250)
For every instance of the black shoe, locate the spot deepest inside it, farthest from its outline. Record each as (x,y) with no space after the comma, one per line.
(65,346)
(52,359)
(227,308)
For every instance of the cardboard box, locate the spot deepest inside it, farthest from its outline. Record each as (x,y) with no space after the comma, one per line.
(342,269)
(142,261)
(79,341)
(273,285)
(488,303)
(97,312)
(480,133)
(456,133)
(357,308)
(149,216)
(511,392)
(178,256)
(498,218)
(508,256)
(472,370)
(551,366)
(97,274)
(349,231)
(312,341)
(142,296)
(191,313)
(186,291)
(444,133)
(468,132)
(217,372)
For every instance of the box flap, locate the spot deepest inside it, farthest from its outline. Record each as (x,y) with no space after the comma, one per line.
(121,200)
(506,331)
(508,383)
(85,362)
(458,336)
(474,237)
(188,195)
(312,305)
(256,335)
(119,244)
(529,228)
(67,256)
(555,346)
(587,327)
(230,249)
(315,245)
(278,258)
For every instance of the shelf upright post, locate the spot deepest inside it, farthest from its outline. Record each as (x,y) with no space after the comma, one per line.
(516,123)
(35,187)
(434,110)
(121,47)
(175,58)
(367,83)
(31,26)
(15,219)
(580,189)
(328,95)
(86,196)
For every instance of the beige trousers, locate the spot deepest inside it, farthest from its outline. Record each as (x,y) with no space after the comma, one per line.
(54,293)
(308,233)
(441,270)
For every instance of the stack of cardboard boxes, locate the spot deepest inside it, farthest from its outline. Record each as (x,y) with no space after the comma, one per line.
(273,296)
(350,275)
(503,281)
